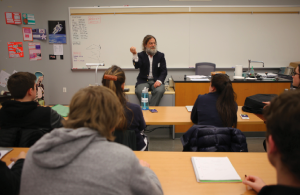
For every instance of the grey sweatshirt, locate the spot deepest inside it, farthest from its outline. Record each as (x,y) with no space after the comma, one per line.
(81,161)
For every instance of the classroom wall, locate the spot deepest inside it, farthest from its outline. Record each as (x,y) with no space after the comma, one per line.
(58,72)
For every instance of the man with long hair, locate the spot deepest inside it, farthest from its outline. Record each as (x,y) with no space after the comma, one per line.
(153,70)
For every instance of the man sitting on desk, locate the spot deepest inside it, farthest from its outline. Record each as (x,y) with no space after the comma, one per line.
(153,70)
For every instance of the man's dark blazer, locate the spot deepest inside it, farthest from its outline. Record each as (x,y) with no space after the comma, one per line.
(159,73)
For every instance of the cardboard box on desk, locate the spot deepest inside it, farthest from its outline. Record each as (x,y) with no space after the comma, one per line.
(294,64)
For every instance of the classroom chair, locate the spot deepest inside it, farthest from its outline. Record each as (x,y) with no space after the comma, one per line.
(204,68)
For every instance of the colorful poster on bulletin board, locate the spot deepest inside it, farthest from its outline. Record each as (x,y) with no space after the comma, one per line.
(15,49)
(57,32)
(13,18)
(28,18)
(34,51)
(39,34)
(27,34)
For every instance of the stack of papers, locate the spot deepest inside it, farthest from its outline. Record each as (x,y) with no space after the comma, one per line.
(198,78)
(270,75)
(214,169)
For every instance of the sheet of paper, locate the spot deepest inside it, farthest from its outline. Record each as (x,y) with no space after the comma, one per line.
(15,49)
(40,34)
(14,72)
(3,78)
(214,168)
(27,33)
(4,151)
(28,18)
(196,76)
(13,18)
(58,49)
(199,79)
(189,108)
(34,51)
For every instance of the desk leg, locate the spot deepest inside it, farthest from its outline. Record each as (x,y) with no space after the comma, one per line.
(173,132)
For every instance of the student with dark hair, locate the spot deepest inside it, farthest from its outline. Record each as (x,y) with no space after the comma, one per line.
(79,159)
(132,119)
(23,112)
(218,107)
(283,145)
(10,179)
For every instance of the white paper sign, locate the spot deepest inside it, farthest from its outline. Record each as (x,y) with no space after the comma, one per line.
(58,49)
(3,78)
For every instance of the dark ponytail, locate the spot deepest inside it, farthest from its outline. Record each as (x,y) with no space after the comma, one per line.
(226,105)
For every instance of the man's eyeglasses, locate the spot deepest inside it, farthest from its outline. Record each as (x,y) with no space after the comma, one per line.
(294,73)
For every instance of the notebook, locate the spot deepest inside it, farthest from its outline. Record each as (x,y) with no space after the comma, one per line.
(214,169)
(61,110)
(4,151)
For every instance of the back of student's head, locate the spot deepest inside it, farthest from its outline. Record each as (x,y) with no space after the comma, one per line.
(283,123)
(95,107)
(226,105)
(116,86)
(19,83)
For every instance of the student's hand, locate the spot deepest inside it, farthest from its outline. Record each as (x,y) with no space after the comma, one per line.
(254,182)
(267,104)
(133,50)
(144,164)
(157,84)
(22,155)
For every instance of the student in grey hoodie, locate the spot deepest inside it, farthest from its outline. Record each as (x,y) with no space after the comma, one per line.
(78,159)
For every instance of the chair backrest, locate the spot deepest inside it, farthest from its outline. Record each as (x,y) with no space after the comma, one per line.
(17,137)
(204,68)
(126,137)
(206,138)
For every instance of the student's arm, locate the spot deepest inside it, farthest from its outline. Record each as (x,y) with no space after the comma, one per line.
(143,180)
(194,114)
(10,179)
(55,119)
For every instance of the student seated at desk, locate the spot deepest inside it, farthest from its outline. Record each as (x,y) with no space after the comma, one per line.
(78,159)
(114,78)
(283,145)
(10,179)
(23,112)
(218,107)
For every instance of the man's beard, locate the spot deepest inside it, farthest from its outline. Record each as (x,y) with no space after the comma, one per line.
(150,51)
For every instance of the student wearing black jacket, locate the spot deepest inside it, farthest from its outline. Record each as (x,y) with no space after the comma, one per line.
(283,135)
(10,179)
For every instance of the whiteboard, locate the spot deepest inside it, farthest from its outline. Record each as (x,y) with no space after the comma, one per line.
(185,39)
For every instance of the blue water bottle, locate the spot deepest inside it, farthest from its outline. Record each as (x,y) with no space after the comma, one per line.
(145,99)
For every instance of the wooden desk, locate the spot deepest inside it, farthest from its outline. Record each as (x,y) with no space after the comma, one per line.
(178,115)
(186,93)
(131,91)
(176,174)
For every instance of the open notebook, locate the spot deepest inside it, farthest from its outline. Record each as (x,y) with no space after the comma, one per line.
(214,169)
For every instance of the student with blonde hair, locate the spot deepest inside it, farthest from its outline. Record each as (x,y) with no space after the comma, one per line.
(133,119)
(78,159)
